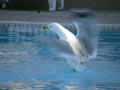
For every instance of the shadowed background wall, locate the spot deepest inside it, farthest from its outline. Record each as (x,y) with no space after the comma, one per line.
(43,4)
(28,4)
(93,4)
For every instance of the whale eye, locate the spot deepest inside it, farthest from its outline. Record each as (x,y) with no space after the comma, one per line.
(51,26)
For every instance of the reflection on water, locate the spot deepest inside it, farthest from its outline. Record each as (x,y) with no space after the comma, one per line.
(28,65)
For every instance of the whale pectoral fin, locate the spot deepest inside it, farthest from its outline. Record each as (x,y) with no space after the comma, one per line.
(62,46)
(58,45)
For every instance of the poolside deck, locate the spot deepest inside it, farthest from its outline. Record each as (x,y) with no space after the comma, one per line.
(106,17)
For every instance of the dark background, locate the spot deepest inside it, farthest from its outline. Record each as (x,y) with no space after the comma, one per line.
(43,4)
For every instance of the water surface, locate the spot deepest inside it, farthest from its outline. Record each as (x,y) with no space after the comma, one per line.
(29,65)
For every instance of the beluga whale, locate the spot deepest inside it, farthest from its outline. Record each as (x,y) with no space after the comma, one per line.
(75,48)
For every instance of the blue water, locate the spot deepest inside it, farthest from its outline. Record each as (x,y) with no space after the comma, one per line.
(29,65)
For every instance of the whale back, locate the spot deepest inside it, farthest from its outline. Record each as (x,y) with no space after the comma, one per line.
(62,32)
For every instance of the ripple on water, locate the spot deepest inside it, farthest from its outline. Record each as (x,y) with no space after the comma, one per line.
(25,65)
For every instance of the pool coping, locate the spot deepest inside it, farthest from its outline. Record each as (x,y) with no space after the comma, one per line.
(68,25)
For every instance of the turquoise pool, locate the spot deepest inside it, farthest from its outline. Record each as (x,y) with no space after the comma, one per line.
(29,65)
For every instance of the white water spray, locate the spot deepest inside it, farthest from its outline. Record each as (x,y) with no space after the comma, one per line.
(81,47)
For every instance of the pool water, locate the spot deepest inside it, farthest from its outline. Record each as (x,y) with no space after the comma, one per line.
(30,63)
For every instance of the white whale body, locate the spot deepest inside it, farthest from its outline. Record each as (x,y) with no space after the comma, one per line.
(76,49)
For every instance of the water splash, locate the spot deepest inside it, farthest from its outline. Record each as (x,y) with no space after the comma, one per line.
(83,45)
(87,29)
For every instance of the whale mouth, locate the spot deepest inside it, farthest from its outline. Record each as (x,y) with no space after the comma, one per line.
(50,28)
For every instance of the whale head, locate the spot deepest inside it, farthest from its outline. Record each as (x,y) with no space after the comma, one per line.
(54,27)
(62,32)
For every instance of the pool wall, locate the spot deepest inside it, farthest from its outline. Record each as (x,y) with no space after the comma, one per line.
(43,25)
